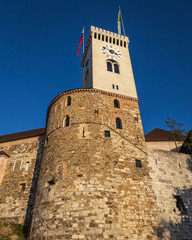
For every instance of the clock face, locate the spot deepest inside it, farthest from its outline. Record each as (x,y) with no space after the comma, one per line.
(111,52)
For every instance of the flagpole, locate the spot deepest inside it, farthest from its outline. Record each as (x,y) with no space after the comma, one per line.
(122,21)
(83,38)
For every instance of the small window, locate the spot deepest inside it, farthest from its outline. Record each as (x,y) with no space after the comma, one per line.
(99,36)
(102,37)
(116,103)
(118,123)
(117,87)
(113,40)
(110,39)
(124,44)
(95,35)
(66,121)
(107,133)
(117,42)
(27,166)
(121,43)
(113,86)
(68,101)
(138,163)
(106,38)
(109,66)
(116,68)
(22,187)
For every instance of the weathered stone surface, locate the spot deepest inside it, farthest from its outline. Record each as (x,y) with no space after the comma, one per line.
(89,186)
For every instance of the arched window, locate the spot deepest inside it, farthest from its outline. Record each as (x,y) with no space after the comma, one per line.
(109,66)
(116,68)
(66,121)
(116,103)
(118,123)
(68,101)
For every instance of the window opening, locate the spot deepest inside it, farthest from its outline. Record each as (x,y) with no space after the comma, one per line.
(66,121)
(109,67)
(22,187)
(121,43)
(116,68)
(113,86)
(117,87)
(124,44)
(110,39)
(118,123)
(116,103)
(102,37)
(27,166)
(117,41)
(106,38)
(99,36)
(68,101)
(95,35)
(138,163)
(180,204)
(107,133)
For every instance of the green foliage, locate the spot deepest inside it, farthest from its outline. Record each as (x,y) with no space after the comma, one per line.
(9,230)
(176,129)
(177,132)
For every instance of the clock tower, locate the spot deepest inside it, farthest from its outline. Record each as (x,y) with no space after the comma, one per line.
(106,63)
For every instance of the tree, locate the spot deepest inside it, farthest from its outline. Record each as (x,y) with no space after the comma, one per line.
(177,132)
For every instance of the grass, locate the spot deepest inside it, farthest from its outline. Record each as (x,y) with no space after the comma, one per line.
(11,231)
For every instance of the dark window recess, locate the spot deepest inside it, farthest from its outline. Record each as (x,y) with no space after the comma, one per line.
(124,44)
(116,103)
(138,163)
(118,123)
(52,182)
(22,185)
(180,205)
(68,101)
(66,123)
(99,36)
(113,86)
(121,43)
(117,87)
(113,40)
(110,39)
(109,66)
(116,68)
(106,38)
(107,133)
(102,37)
(95,35)
(117,42)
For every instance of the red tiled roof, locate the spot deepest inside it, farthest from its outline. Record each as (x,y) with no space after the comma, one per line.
(21,135)
(158,135)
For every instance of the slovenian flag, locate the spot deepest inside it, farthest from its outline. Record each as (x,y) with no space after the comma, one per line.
(80,42)
(119,22)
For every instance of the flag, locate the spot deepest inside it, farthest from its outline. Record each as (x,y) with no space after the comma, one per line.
(80,42)
(119,22)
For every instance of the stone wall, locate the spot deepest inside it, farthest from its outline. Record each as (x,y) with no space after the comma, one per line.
(89,186)
(171,175)
(19,180)
(164,145)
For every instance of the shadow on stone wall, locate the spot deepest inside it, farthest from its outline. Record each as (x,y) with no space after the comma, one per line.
(31,200)
(181,230)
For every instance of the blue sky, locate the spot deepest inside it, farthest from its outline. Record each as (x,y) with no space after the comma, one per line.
(38,56)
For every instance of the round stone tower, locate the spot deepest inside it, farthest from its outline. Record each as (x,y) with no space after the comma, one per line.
(94,181)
